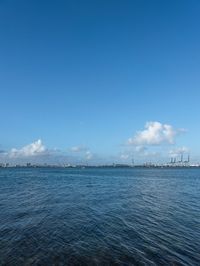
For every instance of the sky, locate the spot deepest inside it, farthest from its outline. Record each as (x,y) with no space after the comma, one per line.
(99,81)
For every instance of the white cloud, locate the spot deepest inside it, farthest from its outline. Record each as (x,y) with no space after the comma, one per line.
(78,149)
(88,155)
(124,156)
(155,133)
(140,149)
(36,152)
(83,151)
(33,149)
(178,151)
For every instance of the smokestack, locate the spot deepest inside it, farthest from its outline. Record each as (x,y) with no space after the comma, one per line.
(181,157)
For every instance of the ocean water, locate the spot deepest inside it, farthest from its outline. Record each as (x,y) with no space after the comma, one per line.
(99,216)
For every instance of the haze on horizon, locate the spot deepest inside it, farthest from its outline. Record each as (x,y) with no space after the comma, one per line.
(99,81)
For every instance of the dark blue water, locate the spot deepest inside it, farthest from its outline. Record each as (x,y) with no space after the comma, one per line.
(99,217)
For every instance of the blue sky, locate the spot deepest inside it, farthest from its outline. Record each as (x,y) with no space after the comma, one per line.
(88,75)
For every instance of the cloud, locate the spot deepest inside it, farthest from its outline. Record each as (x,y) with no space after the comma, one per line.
(88,155)
(178,151)
(124,156)
(37,153)
(155,133)
(83,151)
(78,149)
(34,149)
(140,149)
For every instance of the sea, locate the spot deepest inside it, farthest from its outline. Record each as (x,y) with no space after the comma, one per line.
(99,216)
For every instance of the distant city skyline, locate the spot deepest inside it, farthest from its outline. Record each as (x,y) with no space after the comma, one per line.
(99,81)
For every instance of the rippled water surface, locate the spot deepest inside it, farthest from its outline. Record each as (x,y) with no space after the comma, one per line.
(99,217)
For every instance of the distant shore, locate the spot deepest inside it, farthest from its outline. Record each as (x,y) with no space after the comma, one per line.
(114,166)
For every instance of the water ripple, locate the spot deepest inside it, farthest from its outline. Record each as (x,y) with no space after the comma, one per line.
(99,217)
